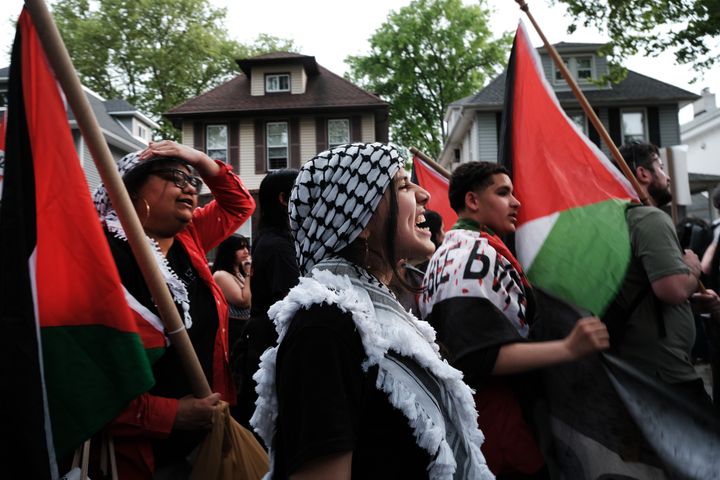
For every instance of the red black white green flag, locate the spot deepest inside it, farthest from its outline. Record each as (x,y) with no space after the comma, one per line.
(572,238)
(71,354)
(606,418)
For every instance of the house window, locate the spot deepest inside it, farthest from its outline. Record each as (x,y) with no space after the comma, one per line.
(634,126)
(277,82)
(3,98)
(277,145)
(338,132)
(558,75)
(141,131)
(578,118)
(217,142)
(581,69)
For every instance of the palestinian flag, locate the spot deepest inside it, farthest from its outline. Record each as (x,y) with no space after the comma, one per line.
(437,185)
(572,238)
(72,356)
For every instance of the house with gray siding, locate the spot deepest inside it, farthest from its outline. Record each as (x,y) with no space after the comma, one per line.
(636,108)
(124,127)
(702,135)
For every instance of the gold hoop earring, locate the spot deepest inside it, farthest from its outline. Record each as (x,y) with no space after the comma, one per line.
(366,253)
(368,267)
(147,212)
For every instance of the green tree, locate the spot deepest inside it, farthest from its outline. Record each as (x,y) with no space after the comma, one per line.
(424,57)
(688,28)
(153,53)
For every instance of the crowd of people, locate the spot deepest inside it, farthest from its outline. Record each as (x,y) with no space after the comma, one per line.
(358,337)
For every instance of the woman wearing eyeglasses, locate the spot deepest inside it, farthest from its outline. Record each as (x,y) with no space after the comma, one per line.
(161,427)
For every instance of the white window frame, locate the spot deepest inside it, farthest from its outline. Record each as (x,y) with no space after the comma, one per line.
(330,141)
(643,113)
(269,88)
(142,131)
(213,150)
(572,65)
(274,155)
(576,71)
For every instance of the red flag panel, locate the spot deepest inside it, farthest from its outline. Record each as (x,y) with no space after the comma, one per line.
(77,282)
(545,140)
(437,185)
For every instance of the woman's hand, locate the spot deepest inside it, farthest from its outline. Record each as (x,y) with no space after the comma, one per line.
(196,413)
(197,159)
(589,335)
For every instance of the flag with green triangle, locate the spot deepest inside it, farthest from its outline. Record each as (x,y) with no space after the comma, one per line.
(72,356)
(572,238)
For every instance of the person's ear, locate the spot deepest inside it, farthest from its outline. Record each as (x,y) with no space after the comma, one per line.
(643,175)
(471,201)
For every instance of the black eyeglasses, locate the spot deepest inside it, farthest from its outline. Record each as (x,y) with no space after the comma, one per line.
(178,177)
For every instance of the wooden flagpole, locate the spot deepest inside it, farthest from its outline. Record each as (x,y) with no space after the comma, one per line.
(439,168)
(59,59)
(592,116)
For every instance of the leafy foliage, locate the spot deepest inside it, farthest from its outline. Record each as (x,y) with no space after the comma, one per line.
(424,57)
(689,28)
(153,53)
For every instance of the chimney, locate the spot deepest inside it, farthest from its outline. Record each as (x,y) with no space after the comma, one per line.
(705,104)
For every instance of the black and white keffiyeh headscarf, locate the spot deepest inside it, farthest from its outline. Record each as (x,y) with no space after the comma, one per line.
(335,195)
(109,217)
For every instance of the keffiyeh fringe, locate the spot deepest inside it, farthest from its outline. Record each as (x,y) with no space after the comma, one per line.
(109,217)
(176,286)
(382,328)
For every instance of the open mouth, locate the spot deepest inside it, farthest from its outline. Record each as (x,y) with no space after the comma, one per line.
(421,222)
(186,201)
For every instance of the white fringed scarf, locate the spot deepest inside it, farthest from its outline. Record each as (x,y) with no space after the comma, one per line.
(109,217)
(429,392)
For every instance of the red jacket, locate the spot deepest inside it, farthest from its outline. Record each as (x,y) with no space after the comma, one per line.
(151,417)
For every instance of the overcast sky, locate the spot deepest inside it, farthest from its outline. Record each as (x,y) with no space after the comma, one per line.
(331,30)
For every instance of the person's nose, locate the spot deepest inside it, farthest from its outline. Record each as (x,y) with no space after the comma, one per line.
(190,188)
(422,196)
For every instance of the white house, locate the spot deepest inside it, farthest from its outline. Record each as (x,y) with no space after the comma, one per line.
(702,136)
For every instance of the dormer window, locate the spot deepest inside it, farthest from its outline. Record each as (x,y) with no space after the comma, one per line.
(580,67)
(277,82)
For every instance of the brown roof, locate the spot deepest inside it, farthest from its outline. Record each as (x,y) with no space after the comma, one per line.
(275,58)
(324,91)
(265,56)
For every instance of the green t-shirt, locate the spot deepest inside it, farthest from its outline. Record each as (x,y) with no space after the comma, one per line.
(656,253)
